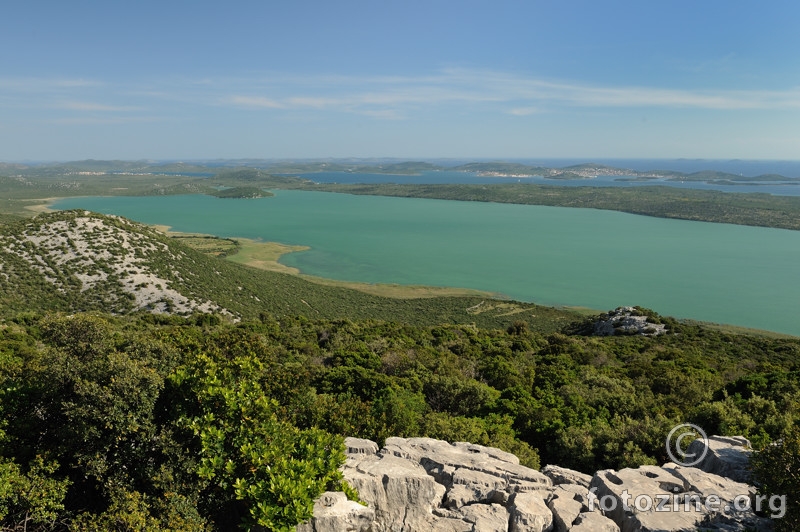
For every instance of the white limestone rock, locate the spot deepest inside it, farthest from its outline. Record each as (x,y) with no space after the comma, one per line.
(355,446)
(593,522)
(727,456)
(529,513)
(402,494)
(421,484)
(672,498)
(562,475)
(565,512)
(486,517)
(626,320)
(334,513)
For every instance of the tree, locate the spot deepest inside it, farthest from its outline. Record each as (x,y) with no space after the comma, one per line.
(776,472)
(257,468)
(31,499)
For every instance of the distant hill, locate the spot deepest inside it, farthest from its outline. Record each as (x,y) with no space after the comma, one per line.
(713,175)
(244,175)
(103,167)
(308,167)
(502,168)
(407,168)
(250,177)
(250,169)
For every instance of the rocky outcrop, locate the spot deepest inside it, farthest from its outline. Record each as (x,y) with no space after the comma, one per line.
(426,484)
(727,456)
(626,321)
(674,497)
(565,508)
(421,484)
(529,512)
(562,475)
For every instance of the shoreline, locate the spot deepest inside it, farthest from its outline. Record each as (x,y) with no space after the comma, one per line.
(44,207)
(266,256)
(274,251)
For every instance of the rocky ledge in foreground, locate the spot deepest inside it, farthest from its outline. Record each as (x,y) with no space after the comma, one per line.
(422,484)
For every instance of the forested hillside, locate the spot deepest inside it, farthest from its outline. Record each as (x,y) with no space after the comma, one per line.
(147,386)
(764,210)
(192,423)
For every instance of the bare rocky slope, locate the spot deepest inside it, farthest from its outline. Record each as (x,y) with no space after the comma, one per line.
(119,264)
(86,261)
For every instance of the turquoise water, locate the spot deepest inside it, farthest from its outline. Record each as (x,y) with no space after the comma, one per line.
(558,256)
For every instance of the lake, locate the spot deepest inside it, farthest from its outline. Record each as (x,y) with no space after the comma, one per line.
(740,275)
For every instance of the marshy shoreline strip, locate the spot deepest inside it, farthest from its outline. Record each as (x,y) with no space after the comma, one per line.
(266,256)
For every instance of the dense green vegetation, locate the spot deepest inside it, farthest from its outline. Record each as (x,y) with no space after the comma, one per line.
(112,429)
(250,177)
(660,201)
(196,423)
(210,245)
(776,471)
(241,192)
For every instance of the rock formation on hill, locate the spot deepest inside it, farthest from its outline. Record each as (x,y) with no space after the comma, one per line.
(627,320)
(421,484)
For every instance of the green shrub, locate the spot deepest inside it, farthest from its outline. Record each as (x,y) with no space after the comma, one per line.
(256,467)
(776,472)
(30,499)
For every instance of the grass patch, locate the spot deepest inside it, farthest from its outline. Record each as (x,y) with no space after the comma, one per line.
(400,291)
(25,208)
(264,255)
(38,206)
(210,245)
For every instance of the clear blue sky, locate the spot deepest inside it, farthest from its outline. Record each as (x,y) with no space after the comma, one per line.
(409,79)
